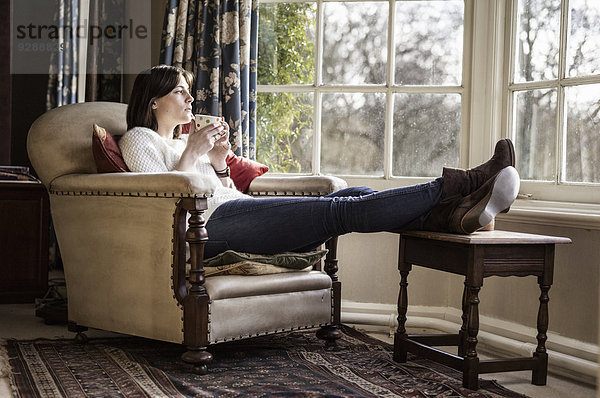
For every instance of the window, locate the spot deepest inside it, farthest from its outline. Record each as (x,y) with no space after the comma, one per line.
(368,88)
(554,95)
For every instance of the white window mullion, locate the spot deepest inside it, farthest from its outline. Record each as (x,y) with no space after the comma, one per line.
(389,100)
(82,44)
(561,133)
(317,97)
(428,89)
(467,77)
(360,89)
(288,88)
(512,16)
(486,65)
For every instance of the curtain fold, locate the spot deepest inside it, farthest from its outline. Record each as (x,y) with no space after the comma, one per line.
(64,65)
(217,41)
(104,75)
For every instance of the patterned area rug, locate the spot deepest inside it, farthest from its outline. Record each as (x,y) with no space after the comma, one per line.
(294,364)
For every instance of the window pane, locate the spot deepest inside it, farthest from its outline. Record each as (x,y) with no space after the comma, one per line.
(355,42)
(535,132)
(429,42)
(284,131)
(537,39)
(353,133)
(583,56)
(426,133)
(583,133)
(286,36)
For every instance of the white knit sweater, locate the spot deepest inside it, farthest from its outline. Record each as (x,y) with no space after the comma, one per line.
(145,151)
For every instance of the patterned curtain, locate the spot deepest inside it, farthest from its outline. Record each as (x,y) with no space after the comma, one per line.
(217,41)
(104,73)
(64,66)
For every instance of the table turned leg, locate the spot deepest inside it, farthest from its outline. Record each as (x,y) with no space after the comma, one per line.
(539,374)
(399,348)
(462,334)
(471,361)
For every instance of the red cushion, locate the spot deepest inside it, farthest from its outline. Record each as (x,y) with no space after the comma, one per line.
(244,170)
(106,152)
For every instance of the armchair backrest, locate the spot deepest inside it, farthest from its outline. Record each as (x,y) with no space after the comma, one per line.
(60,141)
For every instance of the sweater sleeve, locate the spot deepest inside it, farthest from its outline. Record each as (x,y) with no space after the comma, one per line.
(141,151)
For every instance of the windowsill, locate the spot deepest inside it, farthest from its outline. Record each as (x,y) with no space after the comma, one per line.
(562,214)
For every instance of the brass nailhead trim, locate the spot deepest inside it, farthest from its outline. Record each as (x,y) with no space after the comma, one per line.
(130,194)
(287,193)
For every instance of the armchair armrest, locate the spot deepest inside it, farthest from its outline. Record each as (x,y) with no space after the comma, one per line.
(268,185)
(172,184)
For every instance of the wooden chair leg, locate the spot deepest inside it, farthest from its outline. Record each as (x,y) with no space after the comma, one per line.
(330,334)
(195,303)
(199,358)
(80,337)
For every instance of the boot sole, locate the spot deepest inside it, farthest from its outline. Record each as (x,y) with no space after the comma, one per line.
(502,195)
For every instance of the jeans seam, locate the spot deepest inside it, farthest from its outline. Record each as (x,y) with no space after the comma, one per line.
(406,191)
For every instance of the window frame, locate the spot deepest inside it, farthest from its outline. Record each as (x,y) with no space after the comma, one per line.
(389,89)
(570,193)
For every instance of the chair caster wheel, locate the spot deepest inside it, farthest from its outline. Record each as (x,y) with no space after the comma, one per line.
(81,338)
(200,369)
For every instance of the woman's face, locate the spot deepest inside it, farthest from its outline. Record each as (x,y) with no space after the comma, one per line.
(174,108)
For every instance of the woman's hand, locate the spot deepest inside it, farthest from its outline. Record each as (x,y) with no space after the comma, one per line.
(200,142)
(218,154)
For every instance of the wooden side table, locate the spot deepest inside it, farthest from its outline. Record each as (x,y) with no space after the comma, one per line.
(24,230)
(476,256)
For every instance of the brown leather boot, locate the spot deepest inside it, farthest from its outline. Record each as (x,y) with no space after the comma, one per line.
(464,182)
(475,211)
(481,207)
(437,220)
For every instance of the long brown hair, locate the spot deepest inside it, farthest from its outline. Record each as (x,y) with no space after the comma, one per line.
(150,85)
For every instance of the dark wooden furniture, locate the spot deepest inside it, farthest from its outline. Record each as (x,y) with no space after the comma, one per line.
(24,229)
(476,256)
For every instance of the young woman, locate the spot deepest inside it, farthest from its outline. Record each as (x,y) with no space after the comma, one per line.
(461,201)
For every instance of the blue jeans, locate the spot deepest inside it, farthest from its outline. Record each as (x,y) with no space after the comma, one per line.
(298,224)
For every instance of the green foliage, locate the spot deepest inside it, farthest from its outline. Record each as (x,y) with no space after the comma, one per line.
(282,119)
(285,56)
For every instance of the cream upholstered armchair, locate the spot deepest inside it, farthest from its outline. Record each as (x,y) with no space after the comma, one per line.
(123,239)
